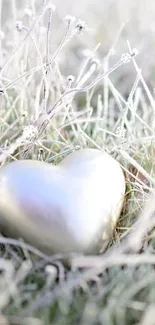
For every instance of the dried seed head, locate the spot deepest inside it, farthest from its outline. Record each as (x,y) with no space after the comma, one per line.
(50,6)
(70,79)
(30,132)
(70,19)
(41,151)
(126,58)
(81,25)
(24,114)
(135,52)
(112,51)
(41,154)
(121,132)
(28,12)
(19,25)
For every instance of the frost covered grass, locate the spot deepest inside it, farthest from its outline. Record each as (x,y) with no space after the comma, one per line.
(58,94)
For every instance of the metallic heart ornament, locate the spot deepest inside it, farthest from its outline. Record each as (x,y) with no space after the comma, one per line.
(71,207)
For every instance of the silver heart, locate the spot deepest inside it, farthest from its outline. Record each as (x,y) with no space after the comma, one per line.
(71,207)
